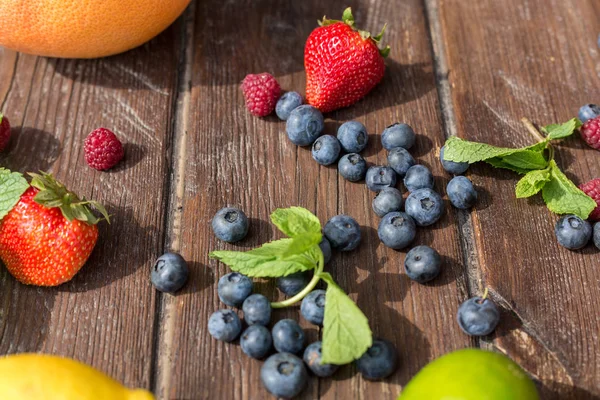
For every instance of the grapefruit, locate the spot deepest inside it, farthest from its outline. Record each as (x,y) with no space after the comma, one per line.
(83,29)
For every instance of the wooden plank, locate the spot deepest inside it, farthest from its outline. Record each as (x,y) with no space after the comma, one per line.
(231,158)
(537,59)
(105,315)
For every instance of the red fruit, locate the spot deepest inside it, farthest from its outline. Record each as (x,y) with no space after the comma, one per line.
(4,132)
(592,189)
(342,64)
(103,150)
(261,92)
(48,235)
(590,132)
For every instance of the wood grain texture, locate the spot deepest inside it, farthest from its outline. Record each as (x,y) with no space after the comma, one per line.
(105,315)
(537,59)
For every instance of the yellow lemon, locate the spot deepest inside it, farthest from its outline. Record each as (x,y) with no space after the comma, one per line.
(45,377)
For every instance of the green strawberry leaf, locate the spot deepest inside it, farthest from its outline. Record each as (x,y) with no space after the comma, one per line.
(560,131)
(532,183)
(12,187)
(295,221)
(346,332)
(563,197)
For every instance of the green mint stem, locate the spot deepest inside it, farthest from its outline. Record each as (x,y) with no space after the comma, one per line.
(533,130)
(311,285)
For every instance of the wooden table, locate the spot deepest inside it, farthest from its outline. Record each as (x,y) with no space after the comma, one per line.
(457,67)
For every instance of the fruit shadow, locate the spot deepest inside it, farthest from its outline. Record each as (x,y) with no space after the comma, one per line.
(134,153)
(559,391)
(259,232)
(30,150)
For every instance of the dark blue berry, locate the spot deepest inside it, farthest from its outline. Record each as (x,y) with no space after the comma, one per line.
(352,167)
(452,167)
(230,224)
(343,232)
(234,288)
(313,307)
(425,206)
(572,232)
(224,325)
(478,317)
(256,341)
(588,111)
(386,201)
(326,150)
(597,235)
(418,177)
(353,136)
(257,310)
(422,264)
(400,160)
(304,125)
(284,375)
(379,178)
(288,336)
(326,249)
(293,284)
(461,192)
(287,103)
(379,361)
(398,135)
(170,273)
(312,358)
(396,230)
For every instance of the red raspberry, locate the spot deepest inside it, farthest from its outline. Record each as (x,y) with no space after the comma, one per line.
(590,132)
(592,189)
(102,149)
(4,132)
(261,92)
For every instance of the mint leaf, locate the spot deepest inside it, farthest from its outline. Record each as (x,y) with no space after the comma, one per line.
(295,221)
(302,243)
(532,183)
(499,163)
(563,197)
(525,160)
(12,186)
(346,332)
(560,131)
(459,150)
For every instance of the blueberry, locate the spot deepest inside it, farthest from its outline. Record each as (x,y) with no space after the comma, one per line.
(313,307)
(256,341)
(284,375)
(326,150)
(461,192)
(326,249)
(353,136)
(425,206)
(170,272)
(398,135)
(343,232)
(224,325)
(379,361)
(418,177)
(572,232)
(230,224)
(400,160)
(452,167)
(379,177)
(388,200)
(422,264)
(352,167)
(286,103)
(597,235)
(478,317)
(312,358)
(257,310)
(288,336)
(588,111)
(293,284)
(304,125)
(397,230)
(234,288)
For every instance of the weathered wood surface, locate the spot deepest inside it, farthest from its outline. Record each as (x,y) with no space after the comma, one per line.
(456,67)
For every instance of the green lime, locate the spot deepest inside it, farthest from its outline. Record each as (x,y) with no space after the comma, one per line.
(471,374)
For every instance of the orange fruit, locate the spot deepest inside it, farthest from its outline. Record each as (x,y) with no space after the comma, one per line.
(83,28)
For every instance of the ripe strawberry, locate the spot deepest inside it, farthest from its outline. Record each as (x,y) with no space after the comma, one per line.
(4,132)
(49,234)
(342,64)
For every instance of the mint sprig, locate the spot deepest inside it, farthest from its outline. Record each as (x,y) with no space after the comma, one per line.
(536,162)
(346,332)
(12,187)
